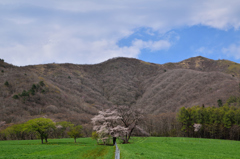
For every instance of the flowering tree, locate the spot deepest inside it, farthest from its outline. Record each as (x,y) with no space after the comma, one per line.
(119,122)
(106,124)
(197,127)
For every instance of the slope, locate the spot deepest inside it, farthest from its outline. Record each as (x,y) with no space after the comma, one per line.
(76,92)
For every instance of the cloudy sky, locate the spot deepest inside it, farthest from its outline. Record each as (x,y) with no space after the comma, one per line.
(92,31)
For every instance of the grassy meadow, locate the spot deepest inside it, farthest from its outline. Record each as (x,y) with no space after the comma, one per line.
(179,148)
(139,148)
(56,148)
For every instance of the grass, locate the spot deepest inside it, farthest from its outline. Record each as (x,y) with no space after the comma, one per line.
(179,148)
(56,148)
(139,148)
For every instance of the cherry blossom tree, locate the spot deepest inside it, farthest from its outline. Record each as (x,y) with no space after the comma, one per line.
(118,122)
(106,124)
(197,127)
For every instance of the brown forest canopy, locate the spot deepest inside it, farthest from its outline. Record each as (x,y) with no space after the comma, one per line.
(76,93)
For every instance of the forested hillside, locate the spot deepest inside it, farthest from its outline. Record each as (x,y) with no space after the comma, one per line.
(75,93)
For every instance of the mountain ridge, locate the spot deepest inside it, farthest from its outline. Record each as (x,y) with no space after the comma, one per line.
(77,92)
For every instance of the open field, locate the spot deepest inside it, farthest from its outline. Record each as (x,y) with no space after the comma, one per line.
(151,147)
(179,148)
(56,148)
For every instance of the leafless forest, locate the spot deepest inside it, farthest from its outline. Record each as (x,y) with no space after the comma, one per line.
(75,93)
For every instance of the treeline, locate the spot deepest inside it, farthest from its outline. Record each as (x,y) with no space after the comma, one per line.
(218,123)
(164,124)
(221,122)
(40,128)
(197,121)
(233,100)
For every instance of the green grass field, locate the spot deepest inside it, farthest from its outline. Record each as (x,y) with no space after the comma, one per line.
(151,147)
(179,148)
(56,148)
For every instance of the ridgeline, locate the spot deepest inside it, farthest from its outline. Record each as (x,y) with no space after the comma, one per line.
(75,93)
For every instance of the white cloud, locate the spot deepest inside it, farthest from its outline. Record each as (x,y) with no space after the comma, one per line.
(152,45)
(204,51)
(82,31)
(232,51)
(91,51)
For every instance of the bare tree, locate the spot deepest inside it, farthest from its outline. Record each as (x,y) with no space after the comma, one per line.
(130,118)
(2,123)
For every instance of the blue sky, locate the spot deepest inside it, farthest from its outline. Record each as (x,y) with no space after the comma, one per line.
(92,31)
(197,41)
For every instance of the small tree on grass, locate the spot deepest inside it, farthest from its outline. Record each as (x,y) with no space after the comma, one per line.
(15,131)
(75,132)
(95,136)
(43,126)
(62,127)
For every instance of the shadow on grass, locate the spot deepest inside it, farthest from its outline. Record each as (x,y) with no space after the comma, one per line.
(106,145)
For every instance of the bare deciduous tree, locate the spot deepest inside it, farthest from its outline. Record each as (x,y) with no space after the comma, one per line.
(2,123)
(130,118)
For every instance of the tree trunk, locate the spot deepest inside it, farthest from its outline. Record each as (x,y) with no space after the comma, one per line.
(125,140)
(75,140)
(129,135)
(114,140)
(42,139)
(46,139)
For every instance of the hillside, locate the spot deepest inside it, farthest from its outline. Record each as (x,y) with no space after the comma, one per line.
(76,92)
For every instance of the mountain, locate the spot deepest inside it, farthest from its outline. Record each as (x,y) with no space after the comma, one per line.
(77,92)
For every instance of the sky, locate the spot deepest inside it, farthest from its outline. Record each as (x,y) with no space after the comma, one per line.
(93,31)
